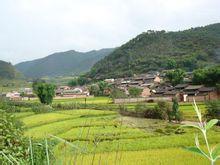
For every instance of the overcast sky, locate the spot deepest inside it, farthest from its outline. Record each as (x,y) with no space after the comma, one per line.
(31,29)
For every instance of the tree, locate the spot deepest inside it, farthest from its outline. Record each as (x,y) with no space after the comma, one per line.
(73,82)
(135,92)
(175,110)
(208,77)
(82,80)
(198,76)
(175,76)
(45,92)
(117,93)
(36,82)
(171,64)
(94,89)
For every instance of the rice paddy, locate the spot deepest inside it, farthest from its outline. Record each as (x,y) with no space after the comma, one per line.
(105,137)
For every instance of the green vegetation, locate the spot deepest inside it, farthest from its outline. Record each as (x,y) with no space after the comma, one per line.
(135,92)
(12,142)
(212,154)
(7,71)
(45,92)
(175,76)
(101,88)
(213,110)
(176,114)
(158,50)
(89,135)
(208,77)
(117,93)
(75,63)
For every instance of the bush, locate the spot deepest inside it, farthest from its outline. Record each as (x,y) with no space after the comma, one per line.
(213,110)
(42,109)
(163,110)
(140,107)
(135,92)
(5,105)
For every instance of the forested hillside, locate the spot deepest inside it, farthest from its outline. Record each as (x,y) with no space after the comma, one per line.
(62,63)
(7,71)
(158,50)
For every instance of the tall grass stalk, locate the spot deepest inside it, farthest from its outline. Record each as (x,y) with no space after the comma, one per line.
(79,136)
(47,153)
(212,154)
(31,151)
(6,157)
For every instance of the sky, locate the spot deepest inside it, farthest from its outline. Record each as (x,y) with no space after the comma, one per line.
(31,29)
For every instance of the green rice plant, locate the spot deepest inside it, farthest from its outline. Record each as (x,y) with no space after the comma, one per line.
(212,154)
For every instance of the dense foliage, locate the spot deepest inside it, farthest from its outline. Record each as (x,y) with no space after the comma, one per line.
(175,76)
(101,88)
(207,76)
(13,144)
(80,81)
(62,63)
(45,92)
(158,50)
(162,110)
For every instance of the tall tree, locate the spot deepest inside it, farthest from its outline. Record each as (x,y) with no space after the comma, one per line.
(45,92)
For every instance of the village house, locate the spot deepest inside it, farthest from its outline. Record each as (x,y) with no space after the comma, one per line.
(26,91)
(74,92)
(200,93)
(15,96)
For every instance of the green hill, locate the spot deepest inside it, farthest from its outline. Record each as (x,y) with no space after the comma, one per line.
(7,71)
(158,50)
(62,63)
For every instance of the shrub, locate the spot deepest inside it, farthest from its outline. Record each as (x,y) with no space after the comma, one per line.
(135,92)
(42,109)
(5,105)
(213,110)
(163,110)
(140,107)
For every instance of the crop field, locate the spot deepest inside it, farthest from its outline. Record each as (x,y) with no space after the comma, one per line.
(105,137)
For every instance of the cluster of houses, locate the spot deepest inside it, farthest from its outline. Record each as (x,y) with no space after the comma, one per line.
(22,94)
(155,87)
(73,92)
(61,92)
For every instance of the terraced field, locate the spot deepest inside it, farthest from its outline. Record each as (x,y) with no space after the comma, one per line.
(104,137)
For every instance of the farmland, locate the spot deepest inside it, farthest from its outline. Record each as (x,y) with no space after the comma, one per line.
(105,137)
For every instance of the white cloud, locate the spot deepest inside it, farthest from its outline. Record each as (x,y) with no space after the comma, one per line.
(35,28)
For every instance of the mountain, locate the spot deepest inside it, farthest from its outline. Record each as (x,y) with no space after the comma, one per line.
(7,71)
(158,50)
(62,63)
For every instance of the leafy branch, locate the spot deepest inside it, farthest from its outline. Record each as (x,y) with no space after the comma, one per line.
(213,154)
